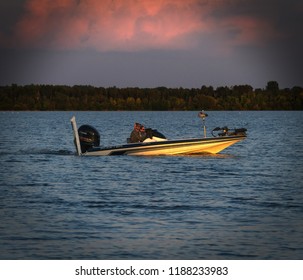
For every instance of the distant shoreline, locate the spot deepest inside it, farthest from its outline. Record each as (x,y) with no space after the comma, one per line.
(89,98)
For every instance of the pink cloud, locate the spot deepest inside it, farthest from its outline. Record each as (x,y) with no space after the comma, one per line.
(129,24)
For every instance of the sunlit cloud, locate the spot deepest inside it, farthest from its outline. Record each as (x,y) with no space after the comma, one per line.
(130,25)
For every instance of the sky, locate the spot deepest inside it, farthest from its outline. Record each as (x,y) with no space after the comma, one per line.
(151,43)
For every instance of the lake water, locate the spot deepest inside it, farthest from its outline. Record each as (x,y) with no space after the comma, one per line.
(244,203)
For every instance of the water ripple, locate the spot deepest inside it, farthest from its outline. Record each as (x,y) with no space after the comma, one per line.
(245,203)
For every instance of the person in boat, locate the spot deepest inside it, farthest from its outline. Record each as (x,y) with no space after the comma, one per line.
(142,133)
(138,134)
(134,136)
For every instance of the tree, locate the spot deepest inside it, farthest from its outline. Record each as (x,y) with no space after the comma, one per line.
(272,86)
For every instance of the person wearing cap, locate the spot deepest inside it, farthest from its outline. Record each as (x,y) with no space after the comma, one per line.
(142,133)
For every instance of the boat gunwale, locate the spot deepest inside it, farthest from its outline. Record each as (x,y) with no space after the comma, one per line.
(120,149)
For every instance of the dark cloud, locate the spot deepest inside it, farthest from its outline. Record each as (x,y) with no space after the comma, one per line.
(10,12)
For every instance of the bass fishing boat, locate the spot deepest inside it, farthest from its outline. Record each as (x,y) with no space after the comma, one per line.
(87,142)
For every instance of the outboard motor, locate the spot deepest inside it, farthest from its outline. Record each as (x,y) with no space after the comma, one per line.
(89,137)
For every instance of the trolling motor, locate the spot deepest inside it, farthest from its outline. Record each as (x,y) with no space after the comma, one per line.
(225,131)
(203,115)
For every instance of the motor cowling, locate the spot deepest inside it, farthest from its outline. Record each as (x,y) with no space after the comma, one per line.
(89,137)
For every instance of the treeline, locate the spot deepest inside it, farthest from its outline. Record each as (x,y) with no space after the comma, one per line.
(239,97)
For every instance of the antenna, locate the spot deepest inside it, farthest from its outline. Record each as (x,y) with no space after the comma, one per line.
(203,115)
